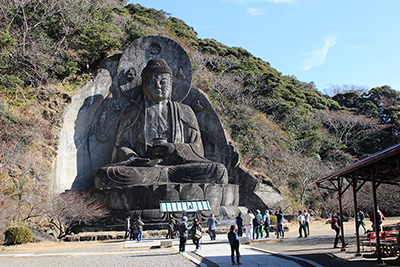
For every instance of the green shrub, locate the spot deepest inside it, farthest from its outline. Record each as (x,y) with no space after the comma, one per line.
(18,235)
(273,220)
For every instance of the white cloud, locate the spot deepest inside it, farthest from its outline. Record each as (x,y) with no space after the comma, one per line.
(255,11)
(317,57)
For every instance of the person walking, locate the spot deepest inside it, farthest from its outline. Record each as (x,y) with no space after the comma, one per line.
(127,227)
(197,233)
(239,223)
(139,225)
(267,222)
(183,234)
(279,218)
(308,220)
(381,217)
(234,243)
(360,220)
(336,225)
(302,224)
(211,224)
(171,229)
(248,223)
(256,225)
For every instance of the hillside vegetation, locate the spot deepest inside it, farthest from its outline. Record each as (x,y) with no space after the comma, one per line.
(285,129)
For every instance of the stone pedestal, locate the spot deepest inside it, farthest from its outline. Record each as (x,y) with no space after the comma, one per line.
(146,198)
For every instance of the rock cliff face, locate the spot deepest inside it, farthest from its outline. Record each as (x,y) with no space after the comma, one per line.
(91,122)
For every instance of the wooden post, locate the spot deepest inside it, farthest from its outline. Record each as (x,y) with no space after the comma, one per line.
(376,220)
(354,184)
(340,187)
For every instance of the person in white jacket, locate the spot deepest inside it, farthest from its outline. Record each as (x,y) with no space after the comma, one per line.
(248,223)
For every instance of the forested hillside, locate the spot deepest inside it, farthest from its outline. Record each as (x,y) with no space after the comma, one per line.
(285,129)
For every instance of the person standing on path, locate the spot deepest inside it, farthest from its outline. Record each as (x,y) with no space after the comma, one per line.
(211,224)
(139,226)
(134,231)
(234,243)
(261,231)
(171,229)
(308,220)
(267,221)
(360,220)
(279,218)
(127,227)
(239,223)
(183,234)
(197,232)
(302,224)
(337,226)
(256,225)
(248,223)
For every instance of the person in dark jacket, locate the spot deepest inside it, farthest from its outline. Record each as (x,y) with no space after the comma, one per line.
(183,234)
(171,229)
(197,232)
(239,223)
(279,217)
(256,225)
(267,222)
(234,242)
(211,224)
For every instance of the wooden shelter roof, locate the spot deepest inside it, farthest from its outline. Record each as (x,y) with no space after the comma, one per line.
(384,166)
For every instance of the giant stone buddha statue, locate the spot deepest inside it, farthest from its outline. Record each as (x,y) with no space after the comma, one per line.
(158,140)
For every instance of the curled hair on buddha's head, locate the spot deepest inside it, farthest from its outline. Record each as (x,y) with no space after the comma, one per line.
(156,65)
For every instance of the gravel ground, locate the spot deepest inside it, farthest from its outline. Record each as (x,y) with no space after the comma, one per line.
(91,253)
(158,258)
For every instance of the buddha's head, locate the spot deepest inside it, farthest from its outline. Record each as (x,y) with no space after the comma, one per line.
(157,80)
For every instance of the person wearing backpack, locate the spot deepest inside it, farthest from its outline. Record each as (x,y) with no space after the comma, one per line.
(360,220)
(335,225)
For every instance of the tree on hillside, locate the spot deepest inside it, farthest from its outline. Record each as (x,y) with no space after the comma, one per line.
(50,38)
(66,210)
(347,128)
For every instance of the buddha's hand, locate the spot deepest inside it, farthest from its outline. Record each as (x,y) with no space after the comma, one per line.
(145,162)
(162,149)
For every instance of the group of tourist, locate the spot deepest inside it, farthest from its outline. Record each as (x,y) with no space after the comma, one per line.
(255,224)
(134,229)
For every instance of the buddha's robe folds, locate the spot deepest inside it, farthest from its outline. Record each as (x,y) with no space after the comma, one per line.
(180,161)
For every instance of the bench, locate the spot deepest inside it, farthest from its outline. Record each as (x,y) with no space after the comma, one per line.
(388,241)
(388,236)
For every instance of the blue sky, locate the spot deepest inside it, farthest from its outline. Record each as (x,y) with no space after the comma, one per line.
(329,42)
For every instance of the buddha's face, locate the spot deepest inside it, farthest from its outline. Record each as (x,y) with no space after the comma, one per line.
(158,86)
